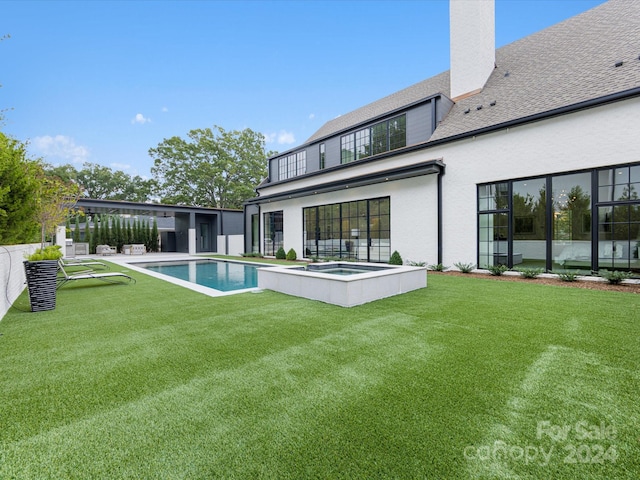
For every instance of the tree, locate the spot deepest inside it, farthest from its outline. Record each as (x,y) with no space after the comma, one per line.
(18,191)
(55,200)
(212,168)
(103,183)
(87,233)
(76,231)
(154,236)
(94,237)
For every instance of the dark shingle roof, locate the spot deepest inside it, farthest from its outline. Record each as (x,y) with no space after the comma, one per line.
(407,96)
(568,63)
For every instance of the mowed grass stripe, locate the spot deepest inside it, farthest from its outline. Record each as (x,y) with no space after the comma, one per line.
(261,403)
(558,393)
(155,381)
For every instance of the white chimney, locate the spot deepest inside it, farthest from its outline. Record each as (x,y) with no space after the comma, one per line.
(473,45)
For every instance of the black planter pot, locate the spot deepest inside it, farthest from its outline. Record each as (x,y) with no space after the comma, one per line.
(41,283)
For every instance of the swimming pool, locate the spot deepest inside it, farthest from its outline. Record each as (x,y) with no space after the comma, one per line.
(217,274)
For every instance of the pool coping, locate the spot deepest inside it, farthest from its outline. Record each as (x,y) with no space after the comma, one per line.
(211,292)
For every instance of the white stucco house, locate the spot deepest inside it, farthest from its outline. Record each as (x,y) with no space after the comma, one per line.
(525,155)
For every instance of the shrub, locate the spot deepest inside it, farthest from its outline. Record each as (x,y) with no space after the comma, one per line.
(291,255)
(614,277)
(411,263)
(280,254)
(530,272)
(437,267)
(497,270)
(464,267)
(252,254)
(395,259)
(52,252)
(568,276)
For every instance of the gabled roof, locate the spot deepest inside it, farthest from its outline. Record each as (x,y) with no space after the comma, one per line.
(569,63)
(421,90)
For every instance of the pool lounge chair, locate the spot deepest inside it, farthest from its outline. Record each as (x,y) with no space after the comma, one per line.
(109,277)
(72,262)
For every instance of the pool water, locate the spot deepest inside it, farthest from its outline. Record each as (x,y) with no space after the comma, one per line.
(216,274)
(343,271)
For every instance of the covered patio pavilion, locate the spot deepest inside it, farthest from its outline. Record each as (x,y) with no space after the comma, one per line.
(194,230)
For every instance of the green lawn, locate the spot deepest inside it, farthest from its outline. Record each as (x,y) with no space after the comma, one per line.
(469,378)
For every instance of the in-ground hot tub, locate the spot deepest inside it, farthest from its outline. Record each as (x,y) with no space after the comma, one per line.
(343,283)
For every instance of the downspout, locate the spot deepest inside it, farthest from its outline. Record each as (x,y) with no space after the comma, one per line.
(434,119)
(244,226)
(440,173)
(259,230)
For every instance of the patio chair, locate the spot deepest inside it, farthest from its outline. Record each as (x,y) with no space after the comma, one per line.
(109,277)
(72,262)
(105,250)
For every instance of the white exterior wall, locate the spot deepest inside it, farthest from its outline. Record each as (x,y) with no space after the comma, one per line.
(592,138)
(413,214)
(596,137)
(236,245)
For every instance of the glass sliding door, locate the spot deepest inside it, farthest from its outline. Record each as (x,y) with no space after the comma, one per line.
(273,232)
(354,230)
(571,214)
(379,230)
(311,233)
(529,207)
(358,230)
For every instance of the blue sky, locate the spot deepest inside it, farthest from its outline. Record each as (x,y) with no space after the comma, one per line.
(104,81)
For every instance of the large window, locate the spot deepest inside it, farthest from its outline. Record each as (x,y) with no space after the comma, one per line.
(292,165)
(379,138)
(398,132)
(619,217)
(549,221)
(273,232)
(347,148)
(493,221)
(357,230)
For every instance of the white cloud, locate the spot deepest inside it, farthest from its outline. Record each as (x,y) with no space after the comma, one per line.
(281,138)
(286,138)
(60,147)
(141,119)
(120,166)
(312,116)
(165,109)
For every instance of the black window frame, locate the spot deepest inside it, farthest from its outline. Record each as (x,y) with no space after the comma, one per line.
(353,148)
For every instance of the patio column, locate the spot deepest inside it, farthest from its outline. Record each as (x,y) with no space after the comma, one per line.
(192,233)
